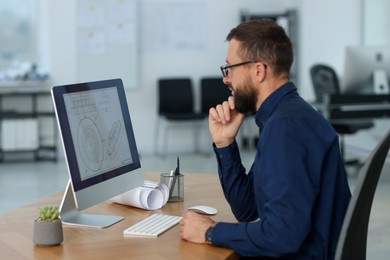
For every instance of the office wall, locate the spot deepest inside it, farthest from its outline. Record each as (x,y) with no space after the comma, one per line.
(325,28)
(376,22)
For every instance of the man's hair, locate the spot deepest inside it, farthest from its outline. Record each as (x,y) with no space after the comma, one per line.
(265,41)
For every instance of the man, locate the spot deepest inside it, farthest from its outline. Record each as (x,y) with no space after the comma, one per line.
(292,201)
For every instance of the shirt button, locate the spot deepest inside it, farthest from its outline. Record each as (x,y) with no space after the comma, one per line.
(221,156)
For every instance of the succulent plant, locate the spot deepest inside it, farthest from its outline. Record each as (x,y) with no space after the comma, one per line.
(48,213)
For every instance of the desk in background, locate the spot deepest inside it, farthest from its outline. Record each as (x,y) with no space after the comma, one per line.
(16,229)
(355,106)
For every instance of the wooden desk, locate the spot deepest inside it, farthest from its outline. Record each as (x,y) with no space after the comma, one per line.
(16,229)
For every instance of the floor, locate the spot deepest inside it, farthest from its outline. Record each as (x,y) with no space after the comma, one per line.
(24,182)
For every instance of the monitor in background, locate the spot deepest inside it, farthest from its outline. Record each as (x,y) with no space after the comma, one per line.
(99,145)
(366,70)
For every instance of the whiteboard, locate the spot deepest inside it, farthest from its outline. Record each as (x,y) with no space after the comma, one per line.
(107,41)
(174,26)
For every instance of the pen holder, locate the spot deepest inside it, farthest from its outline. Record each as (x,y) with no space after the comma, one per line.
(175,185)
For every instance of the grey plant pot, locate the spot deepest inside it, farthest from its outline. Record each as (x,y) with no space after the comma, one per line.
(48,233)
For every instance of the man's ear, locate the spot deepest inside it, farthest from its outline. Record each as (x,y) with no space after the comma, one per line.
(261,71)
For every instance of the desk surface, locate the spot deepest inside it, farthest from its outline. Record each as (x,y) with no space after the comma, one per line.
(16,229)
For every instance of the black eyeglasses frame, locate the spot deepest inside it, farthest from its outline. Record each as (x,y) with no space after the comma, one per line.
(224,68)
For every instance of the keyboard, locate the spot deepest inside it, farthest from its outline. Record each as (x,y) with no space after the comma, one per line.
(153,226)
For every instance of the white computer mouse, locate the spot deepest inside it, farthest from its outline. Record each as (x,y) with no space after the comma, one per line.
(204,209)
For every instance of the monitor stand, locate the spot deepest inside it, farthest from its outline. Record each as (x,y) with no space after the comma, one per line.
(70,215)
(381,85)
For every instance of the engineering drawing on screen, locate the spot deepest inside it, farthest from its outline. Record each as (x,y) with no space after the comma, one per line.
(97,130)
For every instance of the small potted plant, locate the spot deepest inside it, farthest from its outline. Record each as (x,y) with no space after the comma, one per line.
(48,227)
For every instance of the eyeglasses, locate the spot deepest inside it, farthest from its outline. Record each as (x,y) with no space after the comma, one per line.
(225,71)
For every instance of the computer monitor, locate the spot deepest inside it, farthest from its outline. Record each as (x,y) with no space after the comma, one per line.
(366,70)
(99,145)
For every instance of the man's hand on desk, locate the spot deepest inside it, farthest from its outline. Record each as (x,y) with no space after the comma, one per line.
(194,226)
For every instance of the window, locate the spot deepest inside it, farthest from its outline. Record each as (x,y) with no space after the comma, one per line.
(17,32)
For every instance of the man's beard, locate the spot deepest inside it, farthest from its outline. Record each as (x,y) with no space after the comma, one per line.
(245,98)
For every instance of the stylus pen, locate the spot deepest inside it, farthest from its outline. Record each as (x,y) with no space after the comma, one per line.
(177,171)
(175,176)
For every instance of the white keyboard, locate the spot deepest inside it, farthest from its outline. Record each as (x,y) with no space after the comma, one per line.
(153,225)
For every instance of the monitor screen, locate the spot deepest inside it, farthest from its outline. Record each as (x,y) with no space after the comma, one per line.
(99,144)
(366,70)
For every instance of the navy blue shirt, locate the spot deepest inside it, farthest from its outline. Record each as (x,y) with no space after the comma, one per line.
(292,201)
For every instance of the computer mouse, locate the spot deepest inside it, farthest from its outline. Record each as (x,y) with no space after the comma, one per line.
(204,209)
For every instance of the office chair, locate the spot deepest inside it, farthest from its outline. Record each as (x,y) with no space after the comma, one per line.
(213,92)
(352,243)
(175,105)
(326,82)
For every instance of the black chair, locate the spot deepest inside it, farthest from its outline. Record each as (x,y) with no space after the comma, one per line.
(213,92)
(326,82)
(352,243)
(175,105)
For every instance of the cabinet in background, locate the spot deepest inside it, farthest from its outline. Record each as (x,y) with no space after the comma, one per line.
(27,125)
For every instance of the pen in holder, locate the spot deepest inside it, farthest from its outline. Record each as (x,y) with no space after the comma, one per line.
(175,182)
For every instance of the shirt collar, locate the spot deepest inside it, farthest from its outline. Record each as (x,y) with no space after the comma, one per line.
(271,102)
